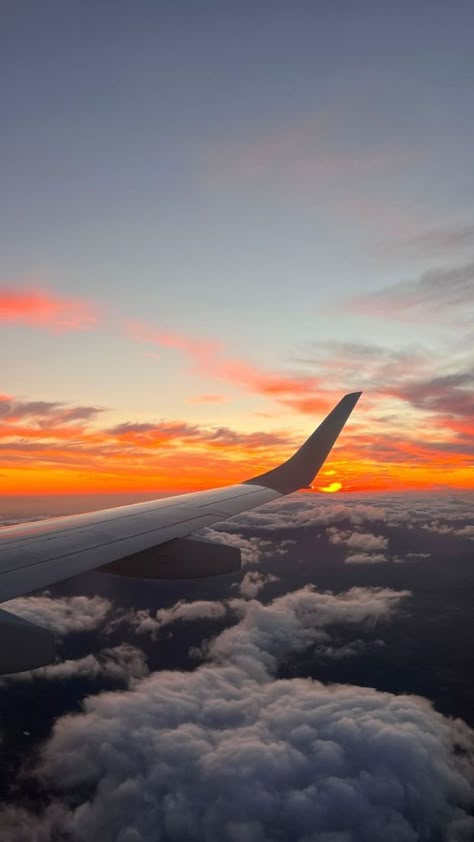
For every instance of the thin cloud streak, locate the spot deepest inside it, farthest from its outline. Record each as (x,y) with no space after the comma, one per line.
(435,295)
(42,308)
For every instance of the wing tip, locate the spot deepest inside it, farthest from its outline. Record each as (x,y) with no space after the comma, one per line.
(300,470)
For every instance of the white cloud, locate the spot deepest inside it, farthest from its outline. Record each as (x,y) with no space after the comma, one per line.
(366,558)
(145,623)
(290,623)
(62,615)
(253,582)
(124,663)
(308,510)
(252,549)
(365,541)
(466,532)
(227,753)
(321,510)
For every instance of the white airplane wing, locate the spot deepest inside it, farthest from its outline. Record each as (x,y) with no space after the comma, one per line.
(148,540)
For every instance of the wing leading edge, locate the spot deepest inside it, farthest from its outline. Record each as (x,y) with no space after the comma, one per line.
(35,555)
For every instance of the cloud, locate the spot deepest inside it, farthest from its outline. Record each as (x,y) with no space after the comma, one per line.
(207,398)
(228,752)
(451,394)
(317,512)
(358,540)
(366,558)
(143,622)
(435,241)
(446,291)
(63,615)
(306,511)
(42,308)
(266,634)
(253,582)
(53,412)
(252,549)
(209,358)
(124,663)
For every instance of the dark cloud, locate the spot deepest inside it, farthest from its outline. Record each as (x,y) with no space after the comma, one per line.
(226,436)
(434,296)
(452,394)
(51,411)
(158,430)
(435,241)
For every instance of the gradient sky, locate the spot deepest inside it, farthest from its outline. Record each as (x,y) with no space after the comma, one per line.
(216,218)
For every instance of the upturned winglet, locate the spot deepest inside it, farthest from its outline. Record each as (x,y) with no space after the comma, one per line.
(300,470)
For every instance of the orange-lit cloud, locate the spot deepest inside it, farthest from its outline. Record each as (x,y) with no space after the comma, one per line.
(207,398)
(210,359)
(47,447)
(42,308)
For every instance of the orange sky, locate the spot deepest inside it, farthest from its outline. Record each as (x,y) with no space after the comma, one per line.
(412,429)
(48,450)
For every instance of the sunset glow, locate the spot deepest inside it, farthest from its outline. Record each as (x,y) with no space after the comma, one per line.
(51,447)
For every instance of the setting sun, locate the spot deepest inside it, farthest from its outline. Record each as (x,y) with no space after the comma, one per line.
(331,488)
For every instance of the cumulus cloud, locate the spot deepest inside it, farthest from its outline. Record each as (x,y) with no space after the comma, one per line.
(448,529)
(366,558)
(227,752)
(252,548)
(315,512)
(268,633)
(143,622)
(466,532)
(123,663)
(365,541)
(305,511)
(62,615)
(253,582)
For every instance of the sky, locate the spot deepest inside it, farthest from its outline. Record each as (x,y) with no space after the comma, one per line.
(216,219)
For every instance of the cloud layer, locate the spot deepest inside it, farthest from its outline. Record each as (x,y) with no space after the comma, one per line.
(228,752)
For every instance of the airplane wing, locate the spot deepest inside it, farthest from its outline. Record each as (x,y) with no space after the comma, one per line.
(148,540)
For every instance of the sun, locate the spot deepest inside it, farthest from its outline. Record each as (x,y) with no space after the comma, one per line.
(331,488)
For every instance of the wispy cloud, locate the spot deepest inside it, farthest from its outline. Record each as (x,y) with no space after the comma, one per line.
(43,308)
(207,398)
(437,295)
(211,359)
(51,412)
(433,242)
